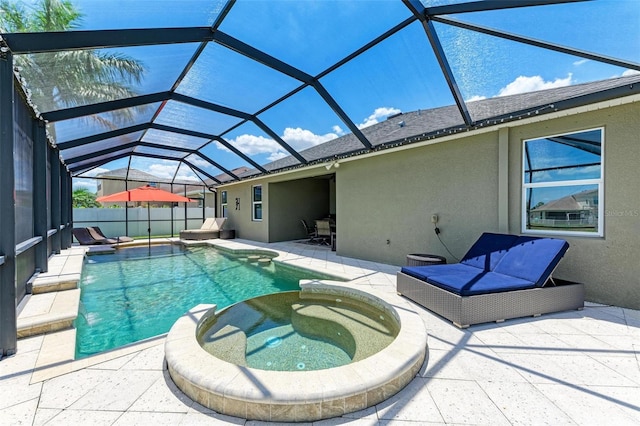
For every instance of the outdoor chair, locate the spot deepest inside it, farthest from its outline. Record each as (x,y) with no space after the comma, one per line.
(97,234)
(311,231)
(210,229)
(501,277)
(86,239)
(323,231)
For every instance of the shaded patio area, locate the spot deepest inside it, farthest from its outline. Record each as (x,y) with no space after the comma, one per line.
(576,367)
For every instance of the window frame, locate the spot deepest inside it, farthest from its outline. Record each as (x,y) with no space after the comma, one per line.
(599,182)
(224,203)
(255,203)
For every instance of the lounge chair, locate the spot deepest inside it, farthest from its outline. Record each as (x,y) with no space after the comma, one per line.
(86,239)
(210,229)
(97,233)
(501,277)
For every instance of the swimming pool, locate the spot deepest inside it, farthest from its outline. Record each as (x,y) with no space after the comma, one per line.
(132,295)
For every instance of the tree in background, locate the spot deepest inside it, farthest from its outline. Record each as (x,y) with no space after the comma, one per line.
(82,198)
(70,78)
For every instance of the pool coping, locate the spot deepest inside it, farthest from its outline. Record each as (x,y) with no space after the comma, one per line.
(297,395)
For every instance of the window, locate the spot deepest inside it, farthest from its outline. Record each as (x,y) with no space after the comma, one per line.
(563,184)
(223,203)
(256,201)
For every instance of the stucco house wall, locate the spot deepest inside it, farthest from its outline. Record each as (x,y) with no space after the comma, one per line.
(384,201)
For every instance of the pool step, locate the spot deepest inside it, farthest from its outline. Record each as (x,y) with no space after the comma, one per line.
(106,249)
(55,299)
(48,312)
(64,271)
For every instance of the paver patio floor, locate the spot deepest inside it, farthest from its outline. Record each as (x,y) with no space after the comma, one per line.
(576,367)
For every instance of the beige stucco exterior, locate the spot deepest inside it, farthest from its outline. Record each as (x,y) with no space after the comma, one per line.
(384,201)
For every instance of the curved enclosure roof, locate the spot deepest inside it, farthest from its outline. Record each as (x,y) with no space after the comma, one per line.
(215,91)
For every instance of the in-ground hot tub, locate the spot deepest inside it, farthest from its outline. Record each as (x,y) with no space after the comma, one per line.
(238,364)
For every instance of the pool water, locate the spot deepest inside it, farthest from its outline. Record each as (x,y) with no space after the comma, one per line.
(265,351)
(291,331)
(135,294)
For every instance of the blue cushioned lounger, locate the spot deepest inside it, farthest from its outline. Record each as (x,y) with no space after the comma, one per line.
(511,268)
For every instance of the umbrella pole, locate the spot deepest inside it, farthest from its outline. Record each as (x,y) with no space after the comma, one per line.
(149,227)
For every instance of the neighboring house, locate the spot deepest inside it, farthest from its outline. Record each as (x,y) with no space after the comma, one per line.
(114,181)
(475,179)
(203,195)
(573,211)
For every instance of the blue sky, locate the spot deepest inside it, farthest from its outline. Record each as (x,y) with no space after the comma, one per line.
(400,74)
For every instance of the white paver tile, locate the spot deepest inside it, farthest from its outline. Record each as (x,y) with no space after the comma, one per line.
(43,415)
(148,359)
(17,390)
(625,366)
(134,418)
(19,414)
(62,391)
(464,402)
(18,365)
(114,364)
(413,403)
(118,391)
(81,417)
(568,370)
(524,404)
(163,395)
(595,405)
(480,364)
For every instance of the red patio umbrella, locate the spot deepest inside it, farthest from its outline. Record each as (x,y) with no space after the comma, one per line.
(148,194)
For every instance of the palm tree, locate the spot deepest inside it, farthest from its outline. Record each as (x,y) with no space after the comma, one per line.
(69,78)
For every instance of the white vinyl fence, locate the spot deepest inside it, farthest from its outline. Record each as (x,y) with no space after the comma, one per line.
(113,222)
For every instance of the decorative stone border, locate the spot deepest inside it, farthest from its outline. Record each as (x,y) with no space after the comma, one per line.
(297,395)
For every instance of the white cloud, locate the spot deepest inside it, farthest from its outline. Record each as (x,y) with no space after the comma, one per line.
(630,72)
(524,84)
(378,115)
(252,145)
(197,161)
(277,155)
(297,138)
(476,98)
(162,170)
(167,169)
(337,130)
(300,139)
(580,62)
(88,184)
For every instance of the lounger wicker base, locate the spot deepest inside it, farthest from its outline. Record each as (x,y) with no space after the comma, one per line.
(464,311)
(199,234)
(210,229)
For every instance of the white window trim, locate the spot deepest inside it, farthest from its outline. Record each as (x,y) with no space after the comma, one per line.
(224,206)
(254,203)
(599,182)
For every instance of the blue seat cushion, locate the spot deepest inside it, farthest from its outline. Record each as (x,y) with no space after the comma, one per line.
(466,280)
(488,250)
(532,259)
(480,282)
(424,272)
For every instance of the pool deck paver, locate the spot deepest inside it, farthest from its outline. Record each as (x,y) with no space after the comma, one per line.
(569,368)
